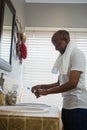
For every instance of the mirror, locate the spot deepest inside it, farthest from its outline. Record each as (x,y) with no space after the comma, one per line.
(7,32)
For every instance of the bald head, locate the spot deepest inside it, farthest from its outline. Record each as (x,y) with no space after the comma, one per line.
(60,39)
(61,35)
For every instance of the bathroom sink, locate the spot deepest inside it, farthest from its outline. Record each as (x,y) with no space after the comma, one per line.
(28,109)
(33,104)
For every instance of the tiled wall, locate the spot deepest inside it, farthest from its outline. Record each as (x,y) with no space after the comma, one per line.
(28,123)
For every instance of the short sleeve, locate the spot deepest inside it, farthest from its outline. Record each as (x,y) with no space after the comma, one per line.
(77,61)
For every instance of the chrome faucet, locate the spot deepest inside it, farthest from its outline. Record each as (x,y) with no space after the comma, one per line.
(2,80)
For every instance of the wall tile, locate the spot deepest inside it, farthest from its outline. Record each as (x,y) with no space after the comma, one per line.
(50,124)
(34,124)
(16,123)
(3,122)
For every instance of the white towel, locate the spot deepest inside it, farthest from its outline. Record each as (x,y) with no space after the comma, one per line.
(63,60)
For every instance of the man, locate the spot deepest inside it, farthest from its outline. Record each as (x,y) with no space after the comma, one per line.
(71,82)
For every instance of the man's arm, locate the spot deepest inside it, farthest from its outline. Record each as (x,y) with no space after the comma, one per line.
(43,86)
(71,84)
(49,86)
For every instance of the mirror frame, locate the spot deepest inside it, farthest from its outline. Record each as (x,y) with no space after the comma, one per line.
(4,65)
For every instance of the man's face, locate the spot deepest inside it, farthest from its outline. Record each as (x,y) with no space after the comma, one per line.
(60,45)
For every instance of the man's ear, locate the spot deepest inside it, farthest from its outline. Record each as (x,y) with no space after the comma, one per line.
(66,40)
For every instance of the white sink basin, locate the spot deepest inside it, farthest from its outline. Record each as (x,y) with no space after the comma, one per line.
(29,109)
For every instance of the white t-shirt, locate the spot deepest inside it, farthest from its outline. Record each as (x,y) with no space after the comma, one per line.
(75,98)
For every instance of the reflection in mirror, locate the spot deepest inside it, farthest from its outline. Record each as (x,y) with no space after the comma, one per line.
(6,35)
(7,15)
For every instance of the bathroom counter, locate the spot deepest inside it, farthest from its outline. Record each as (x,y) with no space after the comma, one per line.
(30,121)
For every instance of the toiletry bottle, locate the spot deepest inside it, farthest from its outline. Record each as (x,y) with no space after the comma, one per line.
(1,96)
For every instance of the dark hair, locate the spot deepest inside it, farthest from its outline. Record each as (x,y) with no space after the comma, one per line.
(62,34)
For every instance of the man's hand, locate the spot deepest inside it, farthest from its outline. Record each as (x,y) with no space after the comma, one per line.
(35,88)
(42,92)
(38,91)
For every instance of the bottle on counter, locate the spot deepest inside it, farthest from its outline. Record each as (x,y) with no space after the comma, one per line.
(1,96)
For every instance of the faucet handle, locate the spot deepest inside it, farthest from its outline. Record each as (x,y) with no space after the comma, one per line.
(2,75)
(2,80)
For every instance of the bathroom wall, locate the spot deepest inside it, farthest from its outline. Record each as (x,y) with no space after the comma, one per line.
(20,7)
(56,15)
(14,77)
(16,67)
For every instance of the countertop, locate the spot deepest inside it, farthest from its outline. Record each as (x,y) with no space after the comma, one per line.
(52,112)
